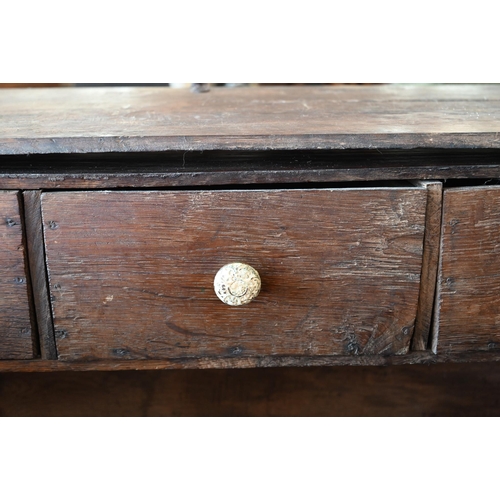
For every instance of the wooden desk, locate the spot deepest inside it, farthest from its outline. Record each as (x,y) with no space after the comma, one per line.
(371,213)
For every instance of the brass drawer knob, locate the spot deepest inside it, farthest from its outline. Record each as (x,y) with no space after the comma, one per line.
(237,284)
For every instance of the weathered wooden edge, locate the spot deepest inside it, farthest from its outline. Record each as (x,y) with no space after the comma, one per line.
(433,214)
(420,357)
(36,258)
(111,144)
(35,347)
(208,178)
(437,300)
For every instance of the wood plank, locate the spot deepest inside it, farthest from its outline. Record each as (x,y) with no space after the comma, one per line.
(36,254)
(430,261)
(131,273)
(441,390)
(83,120)
(412,358)
(16,333)
(231,178)
(468,298)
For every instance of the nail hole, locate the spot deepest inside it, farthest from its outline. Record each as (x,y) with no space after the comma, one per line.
(61,334)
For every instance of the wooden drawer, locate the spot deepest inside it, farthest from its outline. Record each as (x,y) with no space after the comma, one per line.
(468,290)
(131,273)
(15,326)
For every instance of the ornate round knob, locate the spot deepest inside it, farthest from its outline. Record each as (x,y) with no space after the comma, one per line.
(237,284)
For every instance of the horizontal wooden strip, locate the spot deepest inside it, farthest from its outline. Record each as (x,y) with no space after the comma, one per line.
(421,357)
(132,144)
(220,178)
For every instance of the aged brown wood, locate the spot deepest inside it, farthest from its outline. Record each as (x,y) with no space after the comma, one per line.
(131,273)
(16,335)
(441,390)
(251,176)
(468,297)
(31,85)
(429,265)
(82,120)
(224,362)
(36,254)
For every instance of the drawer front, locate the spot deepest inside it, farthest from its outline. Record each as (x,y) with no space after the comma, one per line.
(15,327)
(131,273)
(468,291)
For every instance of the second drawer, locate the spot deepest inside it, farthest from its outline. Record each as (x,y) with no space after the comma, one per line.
(131,273)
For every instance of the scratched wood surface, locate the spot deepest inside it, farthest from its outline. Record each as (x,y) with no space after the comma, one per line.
(468,305)
(425,308)
(131,273)
(427,358)
(38,273)
(469,389)
(82,120)
(15,324)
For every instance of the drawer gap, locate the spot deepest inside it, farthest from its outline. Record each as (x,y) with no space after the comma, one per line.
(260,187)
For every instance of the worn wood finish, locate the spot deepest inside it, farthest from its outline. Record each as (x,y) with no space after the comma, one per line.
(82,120)
(223,362)
(36,254)
(131,273)
(31,85)
(441,390)
(429,265)
(212,178)
(16,335)
(468,301)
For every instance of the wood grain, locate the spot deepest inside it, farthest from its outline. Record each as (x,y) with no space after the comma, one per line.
(131,273)
(83,120)
(38,273)
(425,308)
(440,390)
(199,179)
(16,335)
(222,362)
(468,297)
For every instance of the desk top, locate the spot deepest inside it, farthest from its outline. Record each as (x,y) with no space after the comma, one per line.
(135,119)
